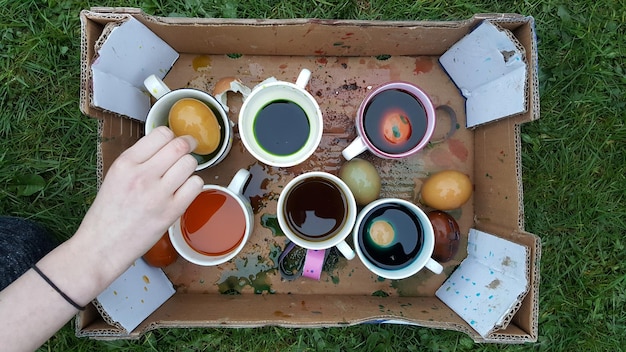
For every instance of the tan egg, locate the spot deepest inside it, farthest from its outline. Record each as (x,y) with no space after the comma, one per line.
(382,233)
(362,179)
(190,116)
(446,190)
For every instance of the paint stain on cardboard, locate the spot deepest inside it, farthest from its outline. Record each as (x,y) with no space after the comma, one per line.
(409,287)
(146,279)
(458,149)
(423,64)
(201,63)
(250,271)
(270,221)
(493,284)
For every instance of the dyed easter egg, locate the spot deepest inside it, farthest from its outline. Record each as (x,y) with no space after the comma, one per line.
(192,117)
(447,235)
(382,233)
(396,126)
(446,190)
(362,179)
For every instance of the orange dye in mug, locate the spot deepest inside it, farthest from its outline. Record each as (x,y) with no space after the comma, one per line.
(214,224)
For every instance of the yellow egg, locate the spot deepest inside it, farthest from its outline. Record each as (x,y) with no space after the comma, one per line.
(382,233)
(192,117)
(446,190)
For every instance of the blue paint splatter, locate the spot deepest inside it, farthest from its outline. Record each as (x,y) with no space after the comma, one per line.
(490,297)
(478,294)
(473,322)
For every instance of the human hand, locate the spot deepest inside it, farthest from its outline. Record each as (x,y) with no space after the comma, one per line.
(144,191)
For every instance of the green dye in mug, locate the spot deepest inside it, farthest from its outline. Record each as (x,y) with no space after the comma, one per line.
(281,128)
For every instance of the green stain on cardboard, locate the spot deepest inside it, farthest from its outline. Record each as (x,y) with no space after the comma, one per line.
(270,221)
(380,293)
(251,270)
(409,287)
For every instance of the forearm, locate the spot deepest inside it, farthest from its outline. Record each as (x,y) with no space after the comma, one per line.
(34,306)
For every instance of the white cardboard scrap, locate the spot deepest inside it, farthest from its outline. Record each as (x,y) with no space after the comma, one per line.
(136,294)
(130,53)
(489,68)
(488,284)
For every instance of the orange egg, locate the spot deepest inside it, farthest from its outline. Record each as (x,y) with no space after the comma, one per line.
(396,127)
(446,190)
(162,253)
(190,116)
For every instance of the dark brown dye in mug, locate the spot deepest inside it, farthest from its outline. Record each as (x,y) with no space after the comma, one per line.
(394,121)
(315,209)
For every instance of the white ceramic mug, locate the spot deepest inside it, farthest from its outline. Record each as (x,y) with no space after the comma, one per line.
(234,191)
(365,142)
(335,218)
(159,112)
(269,93)
(383,210)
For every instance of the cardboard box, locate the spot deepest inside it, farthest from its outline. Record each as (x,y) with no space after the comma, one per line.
(347,59)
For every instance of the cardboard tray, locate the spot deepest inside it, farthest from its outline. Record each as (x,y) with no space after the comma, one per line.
(347,59)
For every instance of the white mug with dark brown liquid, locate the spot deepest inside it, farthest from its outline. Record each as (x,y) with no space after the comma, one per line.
(216,225)
(316,210)
(280,123)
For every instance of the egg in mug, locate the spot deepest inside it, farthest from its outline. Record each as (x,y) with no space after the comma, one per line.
(190,116)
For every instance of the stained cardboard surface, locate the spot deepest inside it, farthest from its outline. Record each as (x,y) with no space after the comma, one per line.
(248,291)
(135,294)
(488,284)
(489,67)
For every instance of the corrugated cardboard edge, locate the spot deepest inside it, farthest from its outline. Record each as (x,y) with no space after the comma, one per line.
(101,330)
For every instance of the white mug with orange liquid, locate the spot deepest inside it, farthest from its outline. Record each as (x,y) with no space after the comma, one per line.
(216,225)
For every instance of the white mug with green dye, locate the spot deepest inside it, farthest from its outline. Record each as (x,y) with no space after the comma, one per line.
(280,123)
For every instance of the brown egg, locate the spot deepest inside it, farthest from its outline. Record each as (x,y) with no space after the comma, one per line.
(446,190)
(190,116)
(162,253)
(447,235)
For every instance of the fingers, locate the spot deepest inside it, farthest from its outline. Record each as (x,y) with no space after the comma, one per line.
(187,192)
(179,172)
(148,146)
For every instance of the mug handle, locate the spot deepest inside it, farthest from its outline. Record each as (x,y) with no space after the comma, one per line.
(433,266)
(303,78)
(355,148)
(155,86)
(345,250)
(453,123)
(240,179)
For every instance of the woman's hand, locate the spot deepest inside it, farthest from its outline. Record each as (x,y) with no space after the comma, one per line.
(144,191)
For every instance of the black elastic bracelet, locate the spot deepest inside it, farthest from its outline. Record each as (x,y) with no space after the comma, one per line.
(69,300)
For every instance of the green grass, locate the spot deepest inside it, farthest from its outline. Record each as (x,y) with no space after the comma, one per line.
(574,162)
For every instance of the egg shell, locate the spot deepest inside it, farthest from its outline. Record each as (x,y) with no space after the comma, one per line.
(362,179)
(396,127)
(447,235)
(190,116)
(446,190)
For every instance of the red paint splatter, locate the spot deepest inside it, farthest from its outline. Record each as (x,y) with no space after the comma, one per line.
(347,36)
(362,61)
(458,149)
(319,52)
(422,65)
(322,61)
(283,66)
